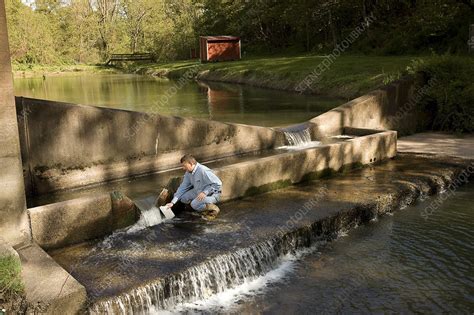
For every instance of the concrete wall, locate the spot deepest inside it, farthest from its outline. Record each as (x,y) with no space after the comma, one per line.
(73,221)
(76,220)
(272,172)
(389,108)
(66,145)
(13,221)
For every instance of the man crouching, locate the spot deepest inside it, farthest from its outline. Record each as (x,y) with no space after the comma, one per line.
(200,187)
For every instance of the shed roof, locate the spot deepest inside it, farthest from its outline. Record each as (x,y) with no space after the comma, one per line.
(221,38)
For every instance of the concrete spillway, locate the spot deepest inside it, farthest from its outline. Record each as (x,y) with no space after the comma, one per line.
(185,260)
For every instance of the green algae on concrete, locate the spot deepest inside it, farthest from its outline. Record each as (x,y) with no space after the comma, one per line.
(328,172)
(267,187)
(124,211)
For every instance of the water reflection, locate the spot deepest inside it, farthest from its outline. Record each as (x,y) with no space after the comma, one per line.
(400,264)
(205,100)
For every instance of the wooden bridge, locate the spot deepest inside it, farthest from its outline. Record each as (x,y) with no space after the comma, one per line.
(130,57)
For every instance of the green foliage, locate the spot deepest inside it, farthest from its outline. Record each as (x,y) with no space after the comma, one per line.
(87,31)
(451,97)
(10,275)
(400,27)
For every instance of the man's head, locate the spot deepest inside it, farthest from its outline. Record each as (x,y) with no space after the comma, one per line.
(188,162)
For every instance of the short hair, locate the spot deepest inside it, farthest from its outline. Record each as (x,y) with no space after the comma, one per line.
(188,158)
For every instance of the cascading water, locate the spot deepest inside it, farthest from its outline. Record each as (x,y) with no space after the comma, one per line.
(215,275)
(148,218)
(150,215)
(298,140)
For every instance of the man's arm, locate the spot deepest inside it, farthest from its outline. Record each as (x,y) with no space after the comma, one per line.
(184,187)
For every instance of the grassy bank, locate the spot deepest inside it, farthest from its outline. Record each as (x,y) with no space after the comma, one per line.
(11,285)
(348,76)
(32,70)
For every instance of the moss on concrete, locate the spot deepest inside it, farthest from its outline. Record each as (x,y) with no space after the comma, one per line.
(328,172)
(255,190)
(319,174)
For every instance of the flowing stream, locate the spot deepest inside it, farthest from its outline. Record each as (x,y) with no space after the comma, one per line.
(399,263)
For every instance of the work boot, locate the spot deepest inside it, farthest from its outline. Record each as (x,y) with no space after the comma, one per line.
(210,212)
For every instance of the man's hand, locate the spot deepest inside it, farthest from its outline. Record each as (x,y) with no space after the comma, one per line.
(169,205)
(201,196)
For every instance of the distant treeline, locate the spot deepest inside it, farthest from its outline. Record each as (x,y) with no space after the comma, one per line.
(87,31)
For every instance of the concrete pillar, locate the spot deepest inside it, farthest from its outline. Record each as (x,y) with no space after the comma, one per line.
(14,227)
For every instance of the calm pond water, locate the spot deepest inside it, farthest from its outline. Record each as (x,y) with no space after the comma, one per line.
(215,101)
(398,264)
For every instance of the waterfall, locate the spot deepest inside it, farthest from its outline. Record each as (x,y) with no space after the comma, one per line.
(222,272)
(198,282)
(298,138)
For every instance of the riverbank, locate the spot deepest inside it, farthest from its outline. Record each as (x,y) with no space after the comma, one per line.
(29,71)
(347,76)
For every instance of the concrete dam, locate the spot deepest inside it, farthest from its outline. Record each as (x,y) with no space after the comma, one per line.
(286,191)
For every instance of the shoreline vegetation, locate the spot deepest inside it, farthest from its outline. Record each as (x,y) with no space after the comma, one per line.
(31,71)
(348,77)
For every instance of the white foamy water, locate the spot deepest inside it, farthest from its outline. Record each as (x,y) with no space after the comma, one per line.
(148,218)
(343,137)
(227,300)
(302,146)
(297,138)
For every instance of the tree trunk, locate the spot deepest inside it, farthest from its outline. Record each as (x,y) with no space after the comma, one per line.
(333,29)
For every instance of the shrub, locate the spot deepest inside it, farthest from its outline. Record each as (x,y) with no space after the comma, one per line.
(451,97)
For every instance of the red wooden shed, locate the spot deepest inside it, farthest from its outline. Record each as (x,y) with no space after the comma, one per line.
(219,48)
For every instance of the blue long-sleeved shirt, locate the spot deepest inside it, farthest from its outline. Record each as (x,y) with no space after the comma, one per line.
(201,179)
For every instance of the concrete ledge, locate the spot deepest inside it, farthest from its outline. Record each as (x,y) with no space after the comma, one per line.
(280,170)
(382,109)
(49,288)
(73,221)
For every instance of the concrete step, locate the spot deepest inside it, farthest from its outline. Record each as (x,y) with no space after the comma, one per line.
(49,288)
